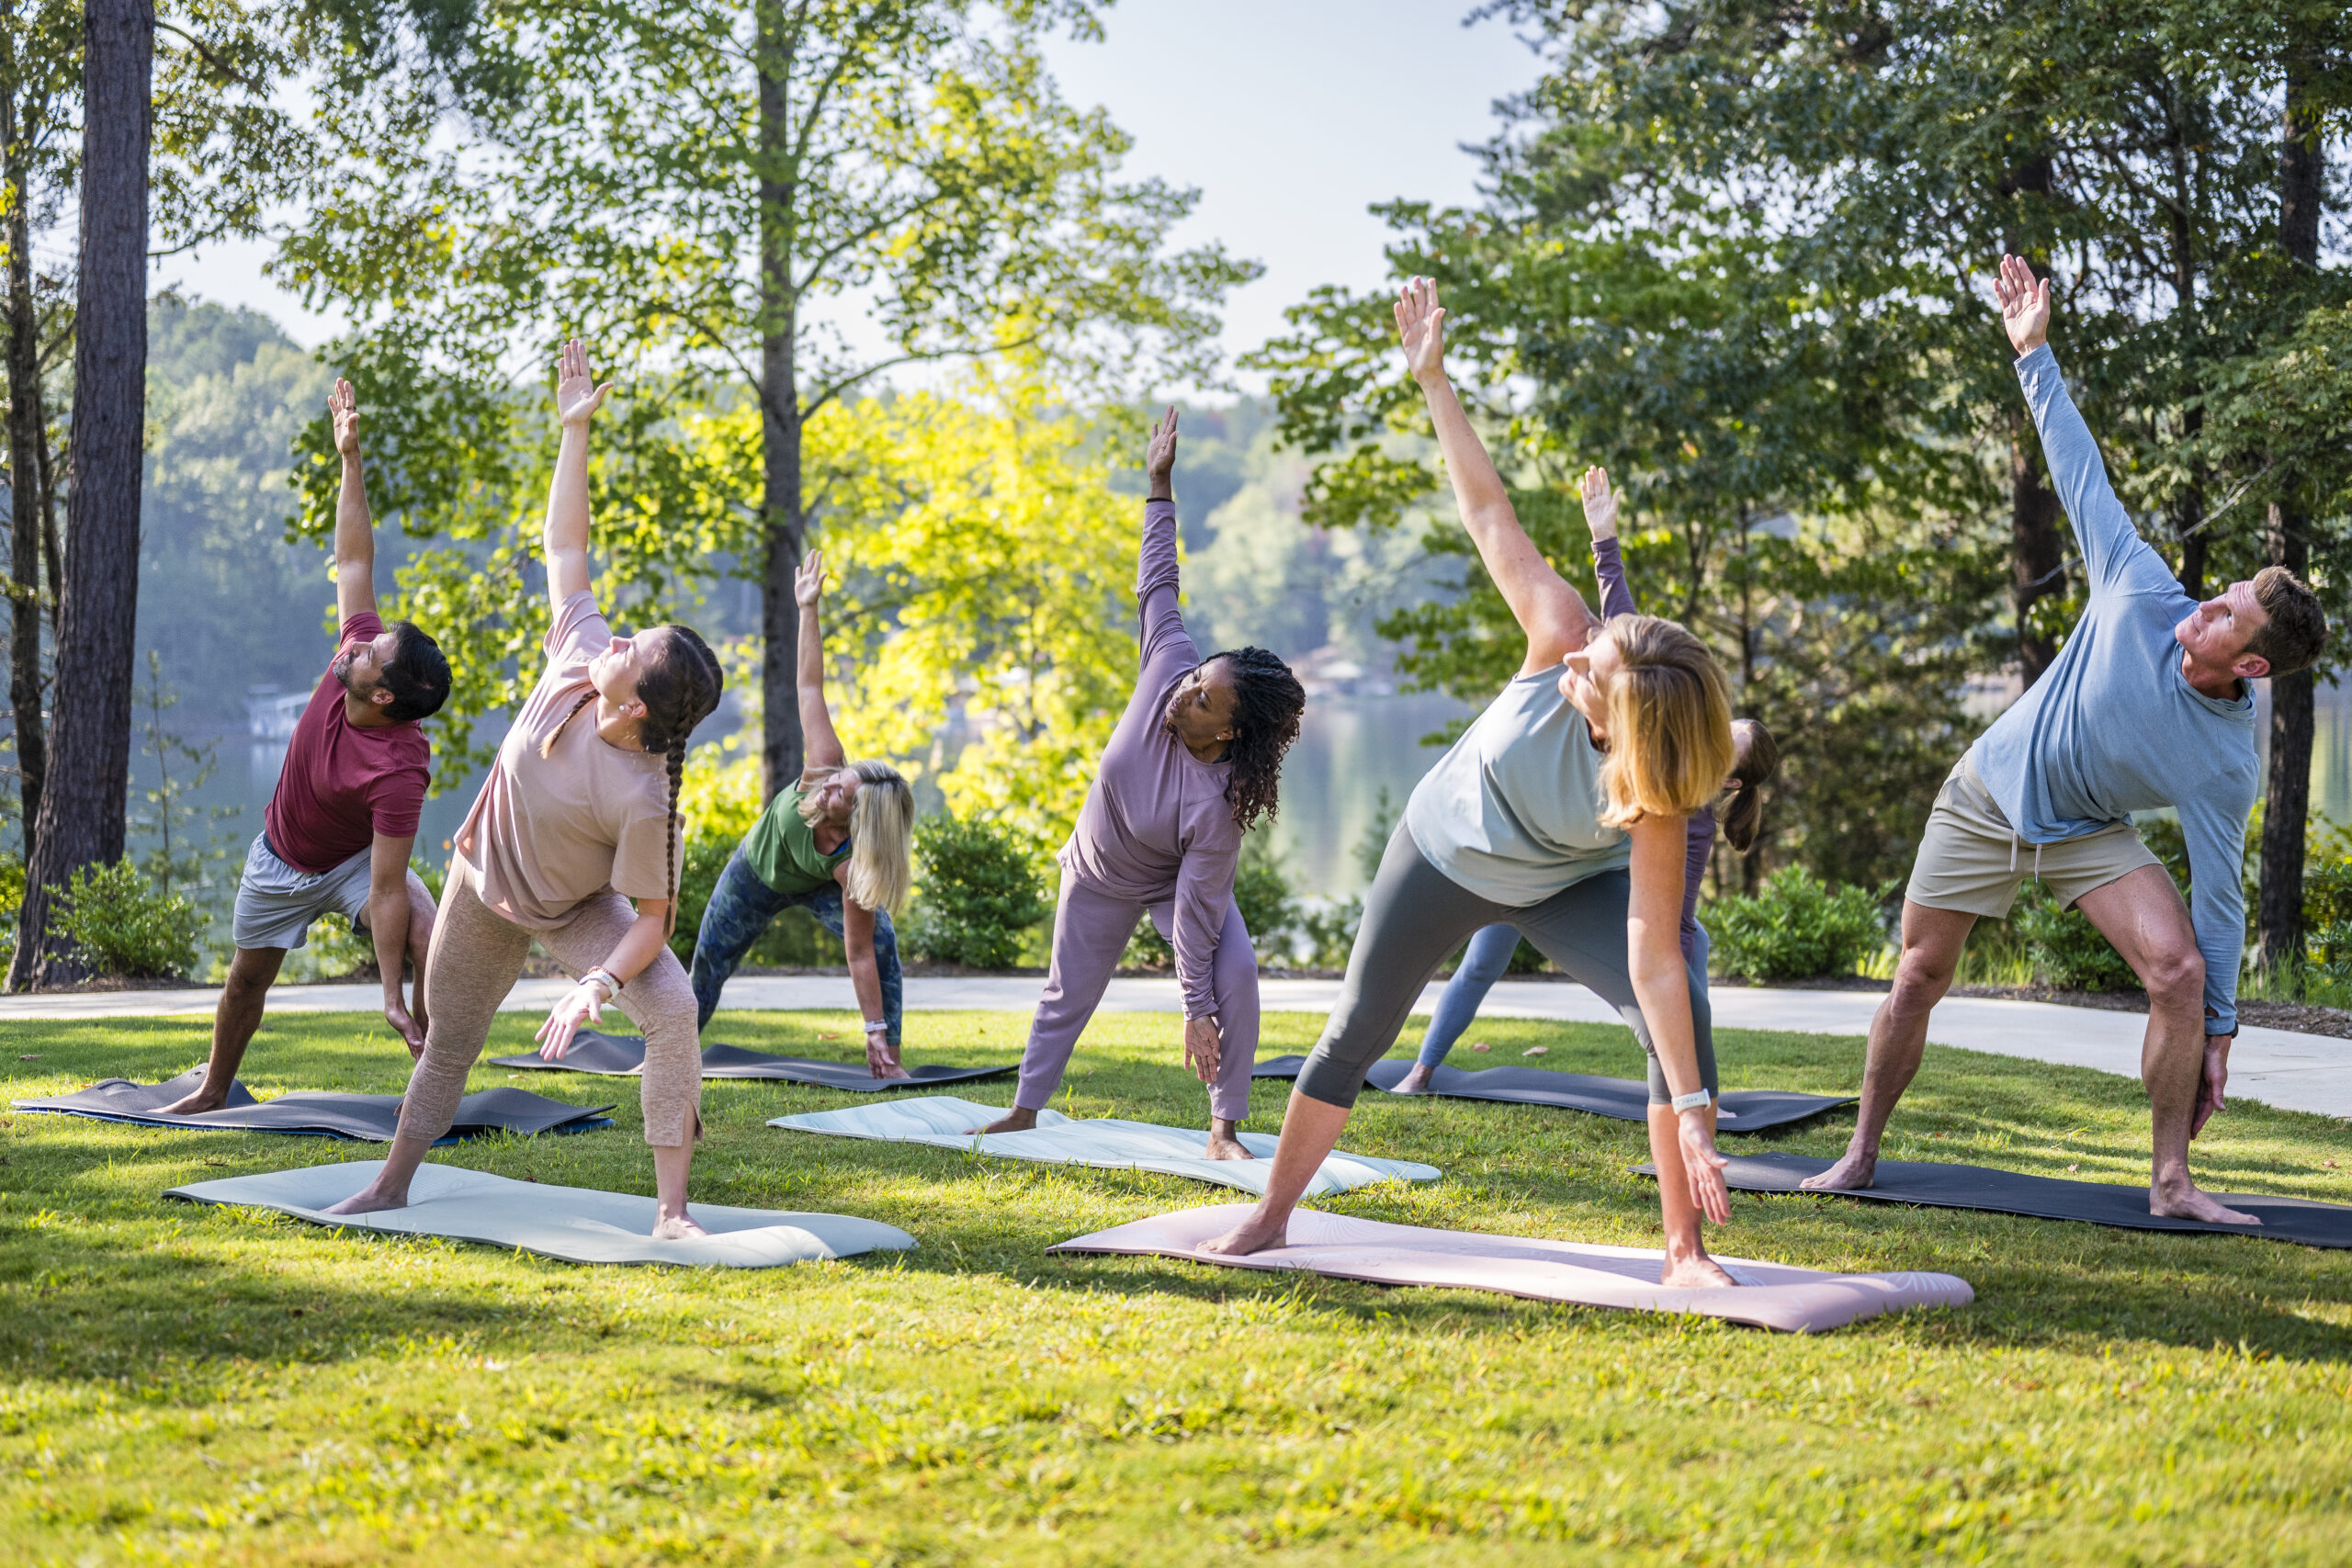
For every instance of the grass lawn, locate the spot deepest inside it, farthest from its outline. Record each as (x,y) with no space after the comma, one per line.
(190,1384)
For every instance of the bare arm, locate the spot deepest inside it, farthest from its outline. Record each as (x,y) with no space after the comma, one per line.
(1553,614)
(1662,985)
(355,530)
(866,980)
(563,539)
(388,927)
(819,745)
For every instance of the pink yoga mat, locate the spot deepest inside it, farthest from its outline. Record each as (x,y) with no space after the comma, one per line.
(1772,1295)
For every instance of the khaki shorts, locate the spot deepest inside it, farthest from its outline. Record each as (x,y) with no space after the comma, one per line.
(1971,860)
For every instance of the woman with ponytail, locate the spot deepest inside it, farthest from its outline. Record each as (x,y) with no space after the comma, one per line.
(1755,759)
(1195,762)
(578,819)
(840,843)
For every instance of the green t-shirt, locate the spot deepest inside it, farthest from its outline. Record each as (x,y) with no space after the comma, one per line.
(782,849)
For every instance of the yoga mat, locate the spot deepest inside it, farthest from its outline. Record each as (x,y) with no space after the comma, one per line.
(1773,1295)
(1626,1100)
(577,1224)
(1104,1143)
(317,1113)
(2300,1220)
(622,1055)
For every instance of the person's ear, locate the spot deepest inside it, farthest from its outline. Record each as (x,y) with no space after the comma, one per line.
(380,697)
(2250,667)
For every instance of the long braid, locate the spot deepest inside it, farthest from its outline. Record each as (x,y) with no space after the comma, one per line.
(677,759)
(547,747)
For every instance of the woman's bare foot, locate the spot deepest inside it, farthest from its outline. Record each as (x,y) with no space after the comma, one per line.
(890,1069)
(1259,1231)
(1225,1142)
(369,1200)
(1416,1081)
(1014,1121)
(1697,1273)
(677,1227)
(1853,1171)
(2186,1203)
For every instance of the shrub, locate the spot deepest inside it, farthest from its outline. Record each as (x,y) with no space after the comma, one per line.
(2068,952)
(981,892)
(12,898)
(1261,891)
(1796,928)
(118,924)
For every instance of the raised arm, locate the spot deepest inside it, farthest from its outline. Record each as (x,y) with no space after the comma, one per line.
(819,745)
(1608,565)
(1553,614)
(563,539)
(355,530)
(1167,646)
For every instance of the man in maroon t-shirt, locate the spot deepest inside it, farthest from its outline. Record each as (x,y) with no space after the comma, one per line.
(336,836)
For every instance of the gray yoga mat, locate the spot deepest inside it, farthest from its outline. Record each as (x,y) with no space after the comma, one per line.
(317,1113)
(1769,1295)
(578,1224)
(1625,1100)
(2300,1220)
(622,1055)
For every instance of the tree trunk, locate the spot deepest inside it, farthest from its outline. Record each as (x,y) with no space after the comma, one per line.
(28,431)
(80,819)
(2037,560)
(2278,918)
(784,525)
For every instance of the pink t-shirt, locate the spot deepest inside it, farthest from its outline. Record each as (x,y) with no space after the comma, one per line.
(344,784)
(547,832)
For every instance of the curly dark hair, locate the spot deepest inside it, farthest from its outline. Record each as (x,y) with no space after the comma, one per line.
(1266,701)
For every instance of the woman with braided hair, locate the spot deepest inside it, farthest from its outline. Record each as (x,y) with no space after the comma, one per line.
(1195,762)
(578,819)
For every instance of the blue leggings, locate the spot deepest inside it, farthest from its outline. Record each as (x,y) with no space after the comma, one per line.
(1484,962)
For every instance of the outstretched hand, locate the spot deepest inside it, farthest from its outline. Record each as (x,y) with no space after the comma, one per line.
(2025,305)
(808,582)
(577,395)
(1203,1047)
(1704,1167)
(343,408)
(2212,1084)
(1600,504)
(1421,328)
(1159,456)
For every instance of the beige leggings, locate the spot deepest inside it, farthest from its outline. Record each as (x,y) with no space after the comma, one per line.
(477,957)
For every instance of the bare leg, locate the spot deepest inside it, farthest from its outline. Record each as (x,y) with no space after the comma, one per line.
(2142,914)
(244,998)
(390,1189)
(1310,1131)
(1932,940)
(671,1163)
(1687,1263)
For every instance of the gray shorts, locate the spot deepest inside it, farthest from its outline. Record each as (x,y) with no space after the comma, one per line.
(276,902)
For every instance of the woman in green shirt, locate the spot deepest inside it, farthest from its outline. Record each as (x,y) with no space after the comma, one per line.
(837,844)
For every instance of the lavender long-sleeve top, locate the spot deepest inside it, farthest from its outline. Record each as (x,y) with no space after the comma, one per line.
(1616,599)
(1155,825)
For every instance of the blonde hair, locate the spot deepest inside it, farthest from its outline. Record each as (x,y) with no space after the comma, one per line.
(1670,722)
(881,833)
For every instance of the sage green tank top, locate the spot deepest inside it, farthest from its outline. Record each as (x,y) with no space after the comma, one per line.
(782,850)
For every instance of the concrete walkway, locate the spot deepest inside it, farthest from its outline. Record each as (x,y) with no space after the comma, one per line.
(2277,1067)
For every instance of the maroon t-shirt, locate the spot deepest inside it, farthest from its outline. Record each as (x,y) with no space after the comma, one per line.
(342,784)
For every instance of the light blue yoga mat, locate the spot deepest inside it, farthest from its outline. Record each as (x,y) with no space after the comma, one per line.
(1103,1144)
(578,1224)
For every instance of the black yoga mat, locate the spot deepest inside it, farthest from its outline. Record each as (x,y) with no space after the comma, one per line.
(2300,1220)
(1626,1100)
(367,1118)
(621,1056)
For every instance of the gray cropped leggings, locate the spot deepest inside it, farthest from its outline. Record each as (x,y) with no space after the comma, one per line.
(1416,915)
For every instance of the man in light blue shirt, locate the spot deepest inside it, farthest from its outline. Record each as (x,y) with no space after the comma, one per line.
(2146,707)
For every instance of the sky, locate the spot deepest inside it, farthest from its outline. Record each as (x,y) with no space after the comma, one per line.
(1291,116)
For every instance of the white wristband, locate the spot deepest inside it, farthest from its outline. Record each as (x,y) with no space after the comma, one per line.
(876,1026)
(1695,1101)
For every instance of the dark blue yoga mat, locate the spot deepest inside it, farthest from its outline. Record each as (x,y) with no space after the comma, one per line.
(316,1113)
(622,1055)
(1625,1099)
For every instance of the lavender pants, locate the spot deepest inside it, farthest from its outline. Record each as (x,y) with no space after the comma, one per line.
(1091,930)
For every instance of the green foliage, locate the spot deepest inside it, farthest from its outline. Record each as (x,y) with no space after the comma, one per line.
(12,895)
(120,923)
(977,893)
(1796,928)
(2067,950)
(1270,907)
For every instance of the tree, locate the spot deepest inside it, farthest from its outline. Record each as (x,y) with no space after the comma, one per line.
(692,185)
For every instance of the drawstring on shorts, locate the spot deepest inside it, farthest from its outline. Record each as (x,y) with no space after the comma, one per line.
(2015,843)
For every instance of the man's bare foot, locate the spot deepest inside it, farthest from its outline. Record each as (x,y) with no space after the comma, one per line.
(1256,1233)
(2186,1203)
(1696,1273)
(1416,1081)
(677,1227)
(367,1201)
(195,1104)
(1014,1121)
(1850,1174)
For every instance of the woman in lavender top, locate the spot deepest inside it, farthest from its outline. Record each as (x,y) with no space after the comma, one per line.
(1195,762)
(1756,758)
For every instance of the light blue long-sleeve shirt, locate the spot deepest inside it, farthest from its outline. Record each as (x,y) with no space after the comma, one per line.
(2113,727)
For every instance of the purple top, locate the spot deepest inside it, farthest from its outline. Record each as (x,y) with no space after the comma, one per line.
(1616,600)
(1156,825)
